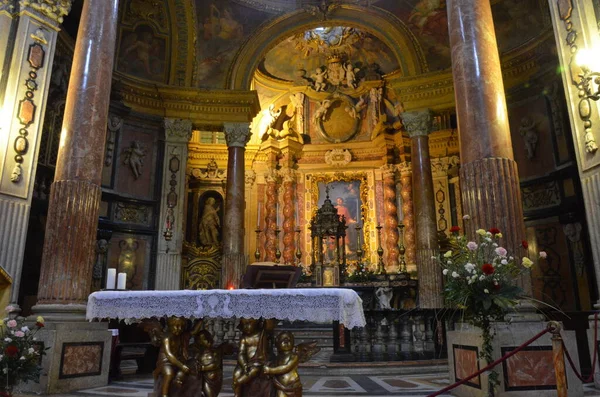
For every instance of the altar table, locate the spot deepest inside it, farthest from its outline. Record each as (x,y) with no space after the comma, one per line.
(319,305)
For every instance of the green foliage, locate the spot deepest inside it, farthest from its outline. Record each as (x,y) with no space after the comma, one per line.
(361,273)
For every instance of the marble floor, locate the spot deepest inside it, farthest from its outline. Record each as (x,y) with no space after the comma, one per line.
(407,385)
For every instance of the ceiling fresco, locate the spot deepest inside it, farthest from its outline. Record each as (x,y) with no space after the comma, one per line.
(311,49)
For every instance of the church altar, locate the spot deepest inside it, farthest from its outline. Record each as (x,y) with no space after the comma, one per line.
(320,305)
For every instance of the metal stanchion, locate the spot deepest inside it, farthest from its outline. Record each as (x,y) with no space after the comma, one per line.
(558,357)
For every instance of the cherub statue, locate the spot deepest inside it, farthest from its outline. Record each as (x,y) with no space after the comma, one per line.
(354,111)
(351,75)
(134,158)
(173,351)
(321,112)
(285,369)
(252,354)
(270,118)
(320,79)
(207,362)
(530,136)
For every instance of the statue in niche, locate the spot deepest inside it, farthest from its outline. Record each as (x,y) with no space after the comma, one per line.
(320,79)
(573,233)
(384,297)
(210,223)
(134,158)
(529,133)
(321,112)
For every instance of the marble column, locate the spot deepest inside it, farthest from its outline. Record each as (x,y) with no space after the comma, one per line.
(27,43)
(390,218)
(170,240)
(237,136)
(418,124)
(75,194)
(491,194)
(408,220)
(271,208)
(289,216)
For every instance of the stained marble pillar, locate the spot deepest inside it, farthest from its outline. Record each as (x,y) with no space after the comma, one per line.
(408,220)
(289,216)
(75,194)
(28,36)
(271,207)
(390,218)
(170,240)
(491,194)
(237,136)
(418,124)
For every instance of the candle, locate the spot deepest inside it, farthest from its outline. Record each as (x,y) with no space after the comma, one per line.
(297,215)
(121,281)
(277,211)
(111,276)
(258,216)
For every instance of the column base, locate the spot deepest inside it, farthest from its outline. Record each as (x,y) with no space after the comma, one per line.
(60,313)
(78,357)
(592,343)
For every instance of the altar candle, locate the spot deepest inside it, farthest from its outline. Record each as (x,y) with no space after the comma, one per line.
(258,216)
(297,215)
(111,277)
(277,211)
(122,280)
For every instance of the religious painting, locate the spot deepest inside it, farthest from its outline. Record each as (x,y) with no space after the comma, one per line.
(346,198)
(210,219)
(428,21)
(223,26)
(143,54)
(530,369)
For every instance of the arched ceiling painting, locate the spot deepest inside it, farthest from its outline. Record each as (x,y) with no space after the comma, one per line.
(310,50)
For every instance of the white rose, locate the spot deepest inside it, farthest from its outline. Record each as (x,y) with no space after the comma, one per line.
(504,262)
(25,329)
(22,358)
(455,275)
(469,267)
(481,278)
(7,340)
(486,291)
(445,272)
(30,350)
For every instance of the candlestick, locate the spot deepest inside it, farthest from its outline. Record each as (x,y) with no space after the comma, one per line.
(402,249)
(277,251)
(257,252)
(359,250)
(298,251)
(111,277)
(380,266)
(121,281)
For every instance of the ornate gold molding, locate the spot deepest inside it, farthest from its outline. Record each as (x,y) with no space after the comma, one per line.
(53,9)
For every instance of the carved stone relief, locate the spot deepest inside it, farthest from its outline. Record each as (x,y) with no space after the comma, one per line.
(541,196)
(114,125)
(338,157)
(132,213)
(133,156)
(53,9)
(211,171)
(573,233)
(529,133)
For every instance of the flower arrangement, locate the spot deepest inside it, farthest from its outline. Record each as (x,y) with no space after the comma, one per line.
(361,273)
(480,278)
(19,352)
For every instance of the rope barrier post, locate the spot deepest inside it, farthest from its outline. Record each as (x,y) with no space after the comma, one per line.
(558,357)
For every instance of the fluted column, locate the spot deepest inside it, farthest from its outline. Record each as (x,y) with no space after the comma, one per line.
(405,170)
(289,214)
(390,221)
(237,136)
(28,35)
(170,240)
(491,194)
(418,124)
(75,194)
(271,243)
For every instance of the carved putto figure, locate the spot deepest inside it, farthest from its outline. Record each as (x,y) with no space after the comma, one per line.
(206,362)
(354,111)
(270,118)
(252,354)
(134,158)
(351,75)
(530,136)
(321,112)
(320,79)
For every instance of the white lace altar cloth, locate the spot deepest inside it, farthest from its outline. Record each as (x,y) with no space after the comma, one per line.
(319,305)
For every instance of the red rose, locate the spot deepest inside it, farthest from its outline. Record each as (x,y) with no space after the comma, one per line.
(525,244)
(488,269)
(494,230)
(454,229)
(39,325)
(11,351)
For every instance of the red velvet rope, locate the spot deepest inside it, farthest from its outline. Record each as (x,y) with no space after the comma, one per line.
(492,365)
(594,361)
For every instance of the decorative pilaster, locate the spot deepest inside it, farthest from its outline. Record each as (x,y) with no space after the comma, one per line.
(491,194)
(289,213)
(418,124)
(406,193)
(27,44)
(237,136)
(67,261)
(272,206)
(390,221)
(170,240)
